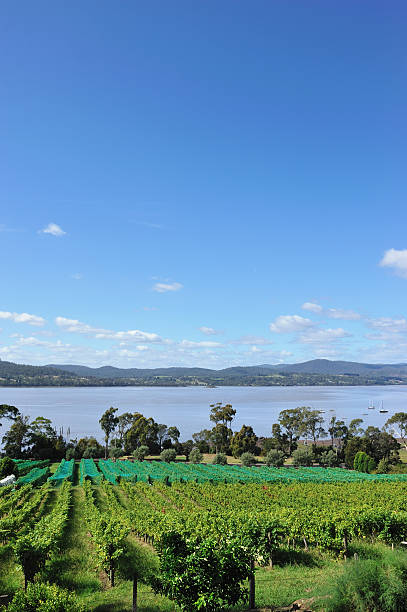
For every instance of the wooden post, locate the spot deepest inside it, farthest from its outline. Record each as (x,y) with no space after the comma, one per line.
(252,588)
(135,593)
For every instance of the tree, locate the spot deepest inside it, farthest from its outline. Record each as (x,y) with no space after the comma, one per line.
(108,423)
(275,458)
(220,436)
(292,419)
(195,456)
(124,423)
(337,430)
(353,446)
(312,424)
(162,434)
(329,458)
(140,453)
(84,444)
(142,432)
(355,429)
(279,441)
(243,441)
(203,440)
(168,455)
(16,439)
(202,575)
(220,459)
(7,467)
(173,434)
(8,412)
(248,459)
(222,414)
(397,424)
(303,456)
(381,444)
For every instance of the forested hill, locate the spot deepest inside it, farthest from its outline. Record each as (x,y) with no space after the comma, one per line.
(317,372)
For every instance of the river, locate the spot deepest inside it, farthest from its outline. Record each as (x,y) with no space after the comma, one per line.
(188,407)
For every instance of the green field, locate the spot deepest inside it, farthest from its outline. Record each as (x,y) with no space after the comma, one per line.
(300,523)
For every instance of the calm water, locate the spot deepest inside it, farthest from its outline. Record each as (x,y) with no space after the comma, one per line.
(188,407)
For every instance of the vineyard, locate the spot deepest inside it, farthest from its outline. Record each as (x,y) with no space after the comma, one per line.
(117,505)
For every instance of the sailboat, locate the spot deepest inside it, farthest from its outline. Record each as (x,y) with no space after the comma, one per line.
(371,406)
(382,409)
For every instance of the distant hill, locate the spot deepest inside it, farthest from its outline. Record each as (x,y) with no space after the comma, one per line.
(315,366)
(319,372)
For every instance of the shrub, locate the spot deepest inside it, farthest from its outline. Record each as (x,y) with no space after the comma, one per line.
(7,467)
(303,456)
(115,452)
(70,453)
(248,459)
(168,455)
(220,459)
(329,458)
(195,456)
(275,458)
(363,463)
(91,452)
(376,585)
(141,452)
(41,597)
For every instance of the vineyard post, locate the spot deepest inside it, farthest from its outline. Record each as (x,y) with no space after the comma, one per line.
(252,587)
(135,592)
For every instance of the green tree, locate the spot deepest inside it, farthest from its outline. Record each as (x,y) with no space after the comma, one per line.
(222,414)
(7,467)
(168,455)
(173,434)
(124,423)
(243,441)
(337,430)
(201,575)
(329,458)
(8,412)
(141,453)
(355,428)
(275,458)
(247,459)
(220,459)
(195,456)
(397,425)
(292,420)
(353,446)
(108,423)
(16,439)
(303,456)
(220,436)
(312,424)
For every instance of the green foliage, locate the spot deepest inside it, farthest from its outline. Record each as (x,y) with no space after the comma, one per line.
(201,575)
(70,453)
(115,452)
(364,463)
(275,458)
(7,467)
(141,452)
(108,422)
(168,455)
(43,597)
(303,456)
(371,585)
(248,459)
(329,458)
(195,456)
(220,459)
(243,441)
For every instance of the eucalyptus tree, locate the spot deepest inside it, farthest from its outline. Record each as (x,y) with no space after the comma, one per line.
(108,423)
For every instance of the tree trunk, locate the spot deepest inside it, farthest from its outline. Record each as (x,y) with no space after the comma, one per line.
(252,588)
(25,582)
(112,576)
(135,593)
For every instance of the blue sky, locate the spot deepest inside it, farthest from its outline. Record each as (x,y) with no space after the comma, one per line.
(203,183)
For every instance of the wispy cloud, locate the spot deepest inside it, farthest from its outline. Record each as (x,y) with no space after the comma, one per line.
(397,260)
(53,229)
(286,324)
(331,313)
(134,335)
(22,317)
(210,331)
(165,287)
(77,276)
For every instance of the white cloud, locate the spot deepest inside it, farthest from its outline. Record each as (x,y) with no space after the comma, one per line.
(312,307)
(331,313)
(389,325)
(22,317)
(290,323)
(77,276)
(396,259)
(322,336)
(209,331)
(339,313)
(135,335)
(203,344)
(53,229)
(165,287)
(257,340)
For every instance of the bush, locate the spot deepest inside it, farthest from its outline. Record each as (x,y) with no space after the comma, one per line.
(329,458)
(195,456)
(7,467)
(303,456)
(41,597)
(247,459)
(115,452)
(376,585)
(363,463)
(70,453)
(220,459)
(168,455)
(91,452)
(141,452)
(275,458)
